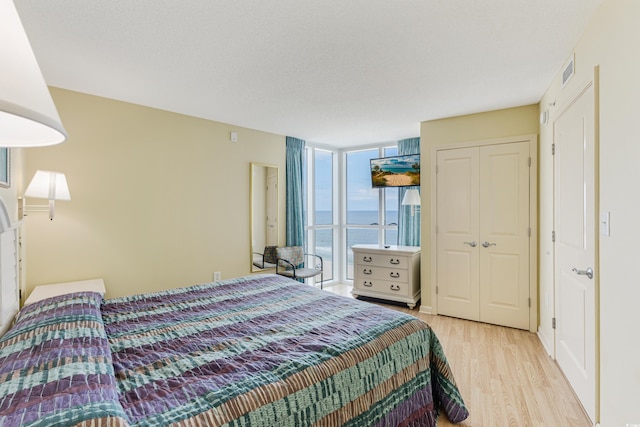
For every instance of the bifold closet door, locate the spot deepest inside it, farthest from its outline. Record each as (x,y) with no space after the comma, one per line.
(483,233)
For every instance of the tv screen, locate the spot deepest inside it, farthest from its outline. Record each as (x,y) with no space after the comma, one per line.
(397,171)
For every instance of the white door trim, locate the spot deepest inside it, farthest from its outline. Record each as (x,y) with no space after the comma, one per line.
(533,217)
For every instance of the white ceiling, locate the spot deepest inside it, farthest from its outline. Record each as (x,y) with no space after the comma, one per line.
(338,72)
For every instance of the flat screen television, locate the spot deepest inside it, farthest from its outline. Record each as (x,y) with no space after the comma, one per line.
(396,171)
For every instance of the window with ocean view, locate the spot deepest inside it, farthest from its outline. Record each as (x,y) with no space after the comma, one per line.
(366,214)
(372,213)
(320,215)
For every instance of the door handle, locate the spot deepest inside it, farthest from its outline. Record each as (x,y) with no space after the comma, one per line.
(472,244)
(588,272)
(487,244)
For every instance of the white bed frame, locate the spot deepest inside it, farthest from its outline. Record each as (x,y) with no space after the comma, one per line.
(9,267)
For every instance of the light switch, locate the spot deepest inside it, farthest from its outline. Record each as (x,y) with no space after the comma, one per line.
(234,136)
(605,223)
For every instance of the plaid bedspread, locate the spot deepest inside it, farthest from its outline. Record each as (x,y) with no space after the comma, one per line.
(254,351)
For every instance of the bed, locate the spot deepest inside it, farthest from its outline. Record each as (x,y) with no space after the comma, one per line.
(261,350)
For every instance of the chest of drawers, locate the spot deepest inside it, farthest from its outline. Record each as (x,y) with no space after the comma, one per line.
(391,273)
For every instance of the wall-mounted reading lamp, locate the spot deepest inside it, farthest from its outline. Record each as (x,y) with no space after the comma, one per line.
(45,185)
(28,116)
(411,198)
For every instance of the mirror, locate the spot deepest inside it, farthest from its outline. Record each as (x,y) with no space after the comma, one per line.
(264,215)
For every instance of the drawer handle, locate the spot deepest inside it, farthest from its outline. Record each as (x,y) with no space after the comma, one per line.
(367,284)
(395,287)
(394,261)
(367,259)
(394,275)
(366,271)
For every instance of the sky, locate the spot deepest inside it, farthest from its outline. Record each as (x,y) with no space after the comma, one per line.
(360,195)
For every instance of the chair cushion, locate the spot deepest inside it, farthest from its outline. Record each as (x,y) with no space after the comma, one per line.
(302,273)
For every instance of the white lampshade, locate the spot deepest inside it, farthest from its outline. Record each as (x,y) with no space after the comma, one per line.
(48,185)
(411,197)
(28,116)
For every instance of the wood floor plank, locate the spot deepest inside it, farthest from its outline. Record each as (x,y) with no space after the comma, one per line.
(504,375)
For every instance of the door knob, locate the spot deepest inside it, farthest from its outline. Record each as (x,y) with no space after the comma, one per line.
(588,272)
(472,244)
(487,244)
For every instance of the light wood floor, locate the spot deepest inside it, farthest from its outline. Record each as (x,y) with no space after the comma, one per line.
(504,375)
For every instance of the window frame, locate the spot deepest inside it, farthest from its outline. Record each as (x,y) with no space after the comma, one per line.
(339,226)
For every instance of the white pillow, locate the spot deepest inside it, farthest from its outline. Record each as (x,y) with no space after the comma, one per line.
(47,291)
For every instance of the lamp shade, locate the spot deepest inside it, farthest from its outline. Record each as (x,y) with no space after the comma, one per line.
(28,116)
(48,185)
(411,198)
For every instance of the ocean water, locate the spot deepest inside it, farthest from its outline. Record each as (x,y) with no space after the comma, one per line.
(324,238)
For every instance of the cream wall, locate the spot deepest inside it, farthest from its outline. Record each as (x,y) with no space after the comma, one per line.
(610,42)
(475,127)
(159,199)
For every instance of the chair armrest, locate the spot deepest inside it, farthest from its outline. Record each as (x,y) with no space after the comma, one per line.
(317,256)
(286,261)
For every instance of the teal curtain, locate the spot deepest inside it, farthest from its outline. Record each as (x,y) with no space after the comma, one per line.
(295,201)
(408,226)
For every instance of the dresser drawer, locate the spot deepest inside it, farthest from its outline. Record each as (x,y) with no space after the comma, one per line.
(383,287)
(366,272)
(381,260)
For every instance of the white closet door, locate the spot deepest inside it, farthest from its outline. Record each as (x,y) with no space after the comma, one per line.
(504,234)
(457,233)
(483,262)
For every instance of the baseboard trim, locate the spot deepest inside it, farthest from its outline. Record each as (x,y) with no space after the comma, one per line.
(545,344)
(426,309)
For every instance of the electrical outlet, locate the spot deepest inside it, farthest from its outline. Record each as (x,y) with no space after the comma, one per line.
(216,276)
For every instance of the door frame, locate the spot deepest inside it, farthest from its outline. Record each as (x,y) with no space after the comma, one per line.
(532,139)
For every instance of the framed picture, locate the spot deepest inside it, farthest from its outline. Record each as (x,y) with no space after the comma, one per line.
(5,172)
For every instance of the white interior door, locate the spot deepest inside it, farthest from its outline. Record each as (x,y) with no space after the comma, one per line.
(575,209)
(271,217)
(504,234)
(457,233)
